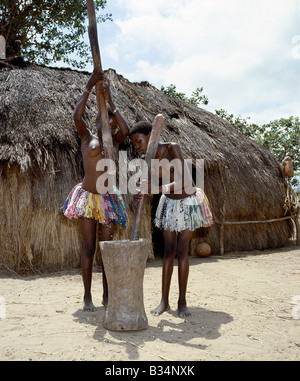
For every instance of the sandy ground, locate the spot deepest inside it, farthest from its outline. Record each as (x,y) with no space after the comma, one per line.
(245,306)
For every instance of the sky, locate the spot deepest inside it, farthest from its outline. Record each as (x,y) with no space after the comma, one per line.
(245,54)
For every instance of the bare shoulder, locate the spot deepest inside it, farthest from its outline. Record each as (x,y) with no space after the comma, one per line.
(174,145)
(175,148)
(169,145)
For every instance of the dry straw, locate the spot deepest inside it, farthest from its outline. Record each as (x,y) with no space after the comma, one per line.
(40,161)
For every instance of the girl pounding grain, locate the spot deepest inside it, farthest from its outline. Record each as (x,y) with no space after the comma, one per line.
(84,202)
(182,209)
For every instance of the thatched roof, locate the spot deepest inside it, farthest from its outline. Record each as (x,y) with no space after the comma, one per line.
(40,158)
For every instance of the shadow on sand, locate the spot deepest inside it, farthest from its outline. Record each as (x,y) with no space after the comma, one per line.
(202,323)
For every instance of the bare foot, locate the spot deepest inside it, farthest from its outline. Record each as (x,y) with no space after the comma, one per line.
(89,306)
(160,309)
(183,311)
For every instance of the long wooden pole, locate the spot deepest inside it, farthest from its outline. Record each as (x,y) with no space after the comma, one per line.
(157,126)
(106,130)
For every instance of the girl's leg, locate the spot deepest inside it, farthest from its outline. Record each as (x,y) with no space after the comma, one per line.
(183,270)
(88,233)
(170,239)
(106,233)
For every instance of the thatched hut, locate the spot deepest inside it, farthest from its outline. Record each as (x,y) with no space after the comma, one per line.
(40,161)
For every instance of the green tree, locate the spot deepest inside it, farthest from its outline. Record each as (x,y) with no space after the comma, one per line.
(196,98)
(281,137)
(47,31)
(248,129)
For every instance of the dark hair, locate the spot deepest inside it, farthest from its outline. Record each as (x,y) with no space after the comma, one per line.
(141,128)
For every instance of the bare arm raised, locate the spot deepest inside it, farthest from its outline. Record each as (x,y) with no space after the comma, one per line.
(81,127)
(80,106)
(122,134)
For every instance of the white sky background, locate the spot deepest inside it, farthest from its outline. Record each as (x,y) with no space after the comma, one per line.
(244,53)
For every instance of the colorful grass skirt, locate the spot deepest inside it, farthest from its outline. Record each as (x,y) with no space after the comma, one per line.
(104,208)
(189,213)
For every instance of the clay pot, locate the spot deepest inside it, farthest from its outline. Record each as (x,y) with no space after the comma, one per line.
(203,249)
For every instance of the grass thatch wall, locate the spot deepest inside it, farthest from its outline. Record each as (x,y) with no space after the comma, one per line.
(40,161)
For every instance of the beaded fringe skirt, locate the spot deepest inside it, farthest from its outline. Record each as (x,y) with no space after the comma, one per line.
(104,208)
(188,213)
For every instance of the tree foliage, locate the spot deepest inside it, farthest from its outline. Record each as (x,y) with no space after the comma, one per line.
(47,31)
(281,137)
(248,129)
(196,98)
